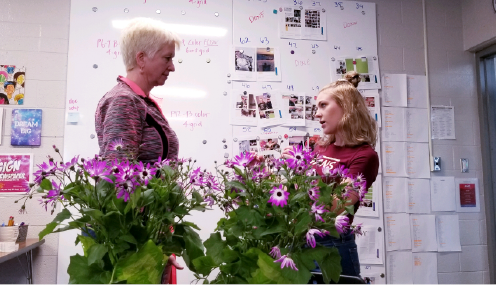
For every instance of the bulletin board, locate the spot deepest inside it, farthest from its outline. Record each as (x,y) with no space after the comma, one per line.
(196,97)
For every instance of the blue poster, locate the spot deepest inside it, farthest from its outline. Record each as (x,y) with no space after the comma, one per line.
(26,127)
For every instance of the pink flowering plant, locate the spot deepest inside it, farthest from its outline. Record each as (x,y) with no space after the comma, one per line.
(133,212)
(274,212)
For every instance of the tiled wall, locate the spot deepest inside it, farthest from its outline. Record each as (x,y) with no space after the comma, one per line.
(452,82)
(35,34)
(479,22)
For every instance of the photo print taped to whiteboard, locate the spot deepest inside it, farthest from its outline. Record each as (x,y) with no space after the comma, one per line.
(315,25)
(243,63)
(268,64)
(311,111)
(293,109)
(290,23)
(268,112)
(270,145)
(243,108)
(365,66)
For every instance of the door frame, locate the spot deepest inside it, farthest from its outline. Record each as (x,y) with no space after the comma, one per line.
(489,174)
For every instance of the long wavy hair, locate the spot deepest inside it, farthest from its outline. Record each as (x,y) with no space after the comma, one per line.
(357,126)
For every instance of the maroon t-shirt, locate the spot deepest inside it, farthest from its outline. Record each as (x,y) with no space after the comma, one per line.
(360,159)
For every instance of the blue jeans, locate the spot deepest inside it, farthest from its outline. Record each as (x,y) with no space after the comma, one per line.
(347,249)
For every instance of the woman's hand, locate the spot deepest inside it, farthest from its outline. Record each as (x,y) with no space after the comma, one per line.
(257,159)
(168,269)
(285,152)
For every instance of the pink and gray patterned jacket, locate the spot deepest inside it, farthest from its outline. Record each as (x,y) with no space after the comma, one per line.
(126,114)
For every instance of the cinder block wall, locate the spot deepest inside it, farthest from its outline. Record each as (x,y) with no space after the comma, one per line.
(35,34)
(452,81)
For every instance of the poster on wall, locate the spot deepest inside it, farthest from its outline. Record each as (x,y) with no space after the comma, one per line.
(12,80)
(467,195)
(26,127)
(15,172)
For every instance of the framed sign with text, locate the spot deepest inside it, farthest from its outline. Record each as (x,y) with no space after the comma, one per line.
(16,171)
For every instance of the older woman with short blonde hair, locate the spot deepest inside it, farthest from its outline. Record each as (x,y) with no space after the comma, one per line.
(128,122)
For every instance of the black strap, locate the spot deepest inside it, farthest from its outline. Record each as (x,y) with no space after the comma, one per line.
(153,123)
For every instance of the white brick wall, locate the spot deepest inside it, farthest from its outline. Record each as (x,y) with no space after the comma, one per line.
(35,34)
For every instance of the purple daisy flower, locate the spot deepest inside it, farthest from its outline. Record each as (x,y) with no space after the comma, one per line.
(71,164)
(311,172)
(116,144)
(243,159)
(357,229)
(211,182)
(297,157)
(279,196)
(318,210)
(313,193)
(342,223)
(196,177)
(209,200)
(363,190)
(341,171)
(124,189)
(259,174)
(44,170)
(287,262)
(311,236)
(97,169)
(143,173)
(275,252)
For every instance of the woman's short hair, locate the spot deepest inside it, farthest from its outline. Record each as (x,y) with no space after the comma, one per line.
(144,35)
(357,125)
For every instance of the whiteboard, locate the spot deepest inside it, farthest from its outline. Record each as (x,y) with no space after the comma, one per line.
(195,98)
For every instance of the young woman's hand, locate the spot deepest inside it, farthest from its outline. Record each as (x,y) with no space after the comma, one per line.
(285,152)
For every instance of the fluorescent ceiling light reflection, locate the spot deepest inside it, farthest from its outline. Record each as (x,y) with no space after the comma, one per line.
(183,29)
(174,92)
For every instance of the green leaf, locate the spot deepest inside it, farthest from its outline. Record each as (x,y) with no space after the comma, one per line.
(128,238)
(193,246)
(197,196)
(302,224)
(96,253)
(143,267)
(48,229)
(302,276)
(204,265)
(63,215)
(95,213)
(298,197)
(307,256)
(229,255)
(237,185)
(86,242)
(274,229)
(331,266)
(249,216)
(147,198)
(215,245)
(271,270)
(80,273)
(350,209)
(46,184)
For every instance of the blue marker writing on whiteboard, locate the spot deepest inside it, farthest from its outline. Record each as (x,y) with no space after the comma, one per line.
(322,30)
(276,71)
